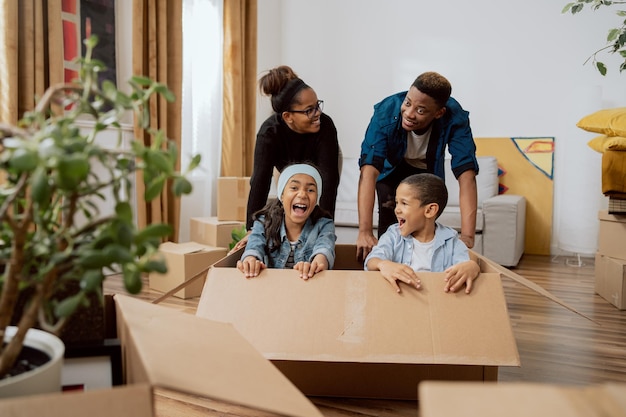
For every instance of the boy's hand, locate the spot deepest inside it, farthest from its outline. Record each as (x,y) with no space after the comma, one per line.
(459,274)
(308,269)
(393,272)
(250,266)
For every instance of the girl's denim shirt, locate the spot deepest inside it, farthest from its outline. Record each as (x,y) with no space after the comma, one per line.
(449,249)
(315,239)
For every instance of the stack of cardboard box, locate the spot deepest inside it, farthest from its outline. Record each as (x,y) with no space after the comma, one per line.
(611,259)
(210,240)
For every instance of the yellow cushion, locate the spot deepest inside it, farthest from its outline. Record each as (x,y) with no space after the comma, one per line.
(610,122)
(615,143)
(597,143)
(607,143)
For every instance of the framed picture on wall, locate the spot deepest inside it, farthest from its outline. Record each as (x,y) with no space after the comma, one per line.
(81,19)
(95,366)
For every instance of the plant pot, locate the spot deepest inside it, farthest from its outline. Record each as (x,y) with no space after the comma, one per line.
(45,378)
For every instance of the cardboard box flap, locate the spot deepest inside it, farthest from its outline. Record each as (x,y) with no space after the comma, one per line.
(182,352)
(355,316)
(124,401)
(183,248)
(520,399)
(487,265)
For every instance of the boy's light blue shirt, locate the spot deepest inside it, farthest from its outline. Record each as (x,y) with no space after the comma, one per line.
(315,239)
(448,249)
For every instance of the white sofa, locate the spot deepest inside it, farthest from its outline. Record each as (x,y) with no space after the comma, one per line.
(500,220)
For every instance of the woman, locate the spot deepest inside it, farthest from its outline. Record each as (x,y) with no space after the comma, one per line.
(297,132)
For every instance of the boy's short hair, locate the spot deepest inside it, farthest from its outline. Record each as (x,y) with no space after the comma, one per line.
(434,85)
(428,188)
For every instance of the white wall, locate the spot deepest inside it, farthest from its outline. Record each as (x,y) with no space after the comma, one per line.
(516,67)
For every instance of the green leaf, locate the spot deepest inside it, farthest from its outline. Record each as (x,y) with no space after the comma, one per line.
(154,188)
(195,162)
(69,305)
(160,161)
(141,80)
(181,186)
(567,7)
(71,171)
(156,230)
(92,280)
(40,187)
(94,259)
(118,254)
(601,68)
(132,280)
(612,35)
(24,159)
(154,265)
(124,211)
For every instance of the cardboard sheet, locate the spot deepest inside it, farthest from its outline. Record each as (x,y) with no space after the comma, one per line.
(178,351)
(520,400)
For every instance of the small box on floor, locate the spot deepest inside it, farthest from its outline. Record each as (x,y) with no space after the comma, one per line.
(612,235)
(611,280)
(213,232)
(184,261)
(232,198)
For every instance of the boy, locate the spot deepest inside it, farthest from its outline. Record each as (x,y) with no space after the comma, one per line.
(418,243)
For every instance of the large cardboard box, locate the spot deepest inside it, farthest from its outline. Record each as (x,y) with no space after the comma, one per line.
(610,280)
(232,198)
(347,333)
(164,349)
(612,235)
(213,232)
(184,261)
(517,399)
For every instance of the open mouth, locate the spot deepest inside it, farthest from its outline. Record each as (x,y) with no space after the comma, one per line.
(299,208)
(401,221)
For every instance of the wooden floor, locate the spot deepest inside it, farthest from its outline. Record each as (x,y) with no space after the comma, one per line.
(556,345)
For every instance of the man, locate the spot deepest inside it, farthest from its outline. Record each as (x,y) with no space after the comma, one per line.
(408,134)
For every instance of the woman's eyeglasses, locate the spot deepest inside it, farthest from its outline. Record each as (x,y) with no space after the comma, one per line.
(310,113)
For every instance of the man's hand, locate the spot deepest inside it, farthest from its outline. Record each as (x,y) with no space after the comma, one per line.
(468,240)
(364,244)
(461,274)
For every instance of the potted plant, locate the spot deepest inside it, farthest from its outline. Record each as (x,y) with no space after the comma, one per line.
(616,37)
(52,232)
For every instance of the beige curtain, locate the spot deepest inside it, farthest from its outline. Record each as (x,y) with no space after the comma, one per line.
(239,120)
(29,30)
(157,53)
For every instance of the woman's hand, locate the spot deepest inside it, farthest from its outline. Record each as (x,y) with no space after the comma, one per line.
(241,244)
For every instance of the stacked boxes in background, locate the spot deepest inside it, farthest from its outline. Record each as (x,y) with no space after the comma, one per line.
(611,259)
(210,240)
(232,198)
(184,262)
(214,232)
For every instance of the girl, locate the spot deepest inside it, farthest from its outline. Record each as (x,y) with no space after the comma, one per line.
(292,231)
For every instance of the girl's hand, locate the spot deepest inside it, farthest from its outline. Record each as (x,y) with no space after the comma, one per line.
(308,269)
(250,266)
